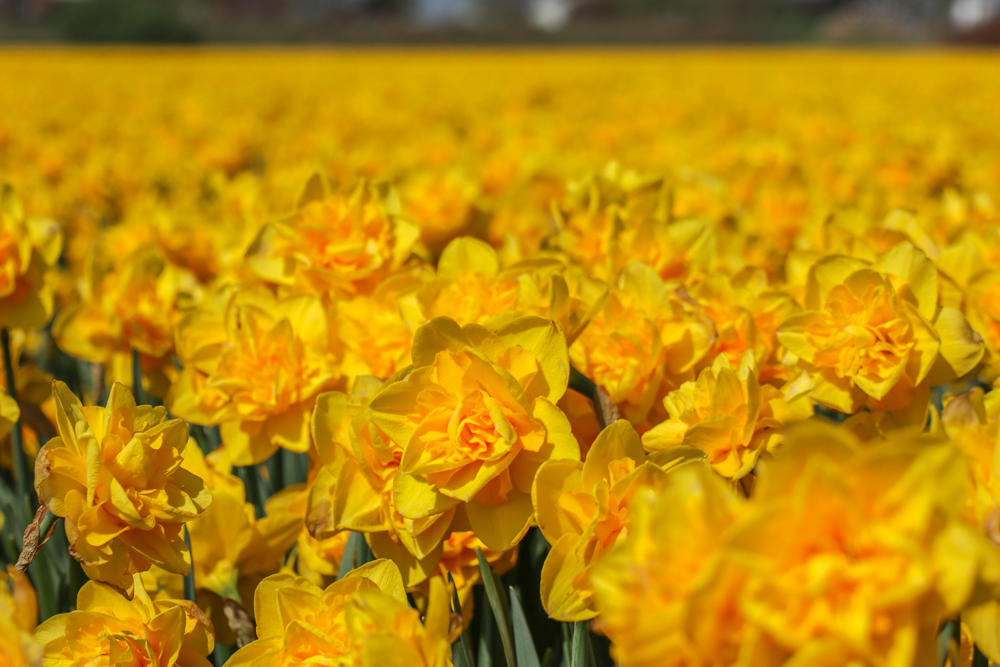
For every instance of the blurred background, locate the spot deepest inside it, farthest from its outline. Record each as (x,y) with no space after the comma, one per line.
(501,21)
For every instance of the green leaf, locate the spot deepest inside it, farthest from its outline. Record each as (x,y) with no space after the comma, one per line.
(501,607)
(582,653)
(462,649)
(487,637)
(254,488)
(221,654)
(524,645)
(356,553)
(949,633)
(76,579)
(49,575)
(580,383)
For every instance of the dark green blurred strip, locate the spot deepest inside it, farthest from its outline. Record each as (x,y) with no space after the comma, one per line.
(24,482)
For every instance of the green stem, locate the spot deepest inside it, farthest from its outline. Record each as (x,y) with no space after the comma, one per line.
(22,484)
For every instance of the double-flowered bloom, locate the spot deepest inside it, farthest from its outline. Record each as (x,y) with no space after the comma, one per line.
(874,334)
(474,419)
(115,474)
(362,620)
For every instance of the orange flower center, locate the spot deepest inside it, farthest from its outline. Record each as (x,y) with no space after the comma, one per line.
(863,334)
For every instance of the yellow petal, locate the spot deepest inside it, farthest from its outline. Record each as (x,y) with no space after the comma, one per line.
(961,347)
(918,277)
(984,623)
(384,574)
(414,498)
(564,592)
(827,273)
(468,254)
(546,341)
(501,526)
(413,570)
(616,442)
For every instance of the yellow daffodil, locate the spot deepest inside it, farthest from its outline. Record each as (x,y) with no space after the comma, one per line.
(233,551)
(354,489)
(596,209)
(335,241)
(583,508)
(107,629)
(132,305)
(18,615)
(667,593)
(747,311)
(362,620)
(375,334)
(856,554)
(29,249)
(728,415)
(254,368)
(647,339)
(115,474)
(972,421)
(472,287)
(874,334)
(442,206)
(475,418)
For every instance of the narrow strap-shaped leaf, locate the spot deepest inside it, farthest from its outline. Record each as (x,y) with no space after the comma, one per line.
(462,650)
(524,645)
(487,637)
(582,655)
(500,606)
(349,557)
(221,654)
(189,588)
(950,632)
(48,574)
(356,554)
(76,578)
(254,488)
(567,644)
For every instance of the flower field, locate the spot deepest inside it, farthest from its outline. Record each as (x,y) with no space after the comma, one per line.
(492,358)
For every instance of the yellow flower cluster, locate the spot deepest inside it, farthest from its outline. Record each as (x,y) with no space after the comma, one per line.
(711,365)
(847,553)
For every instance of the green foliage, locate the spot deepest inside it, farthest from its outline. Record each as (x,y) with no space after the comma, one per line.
(125,21)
